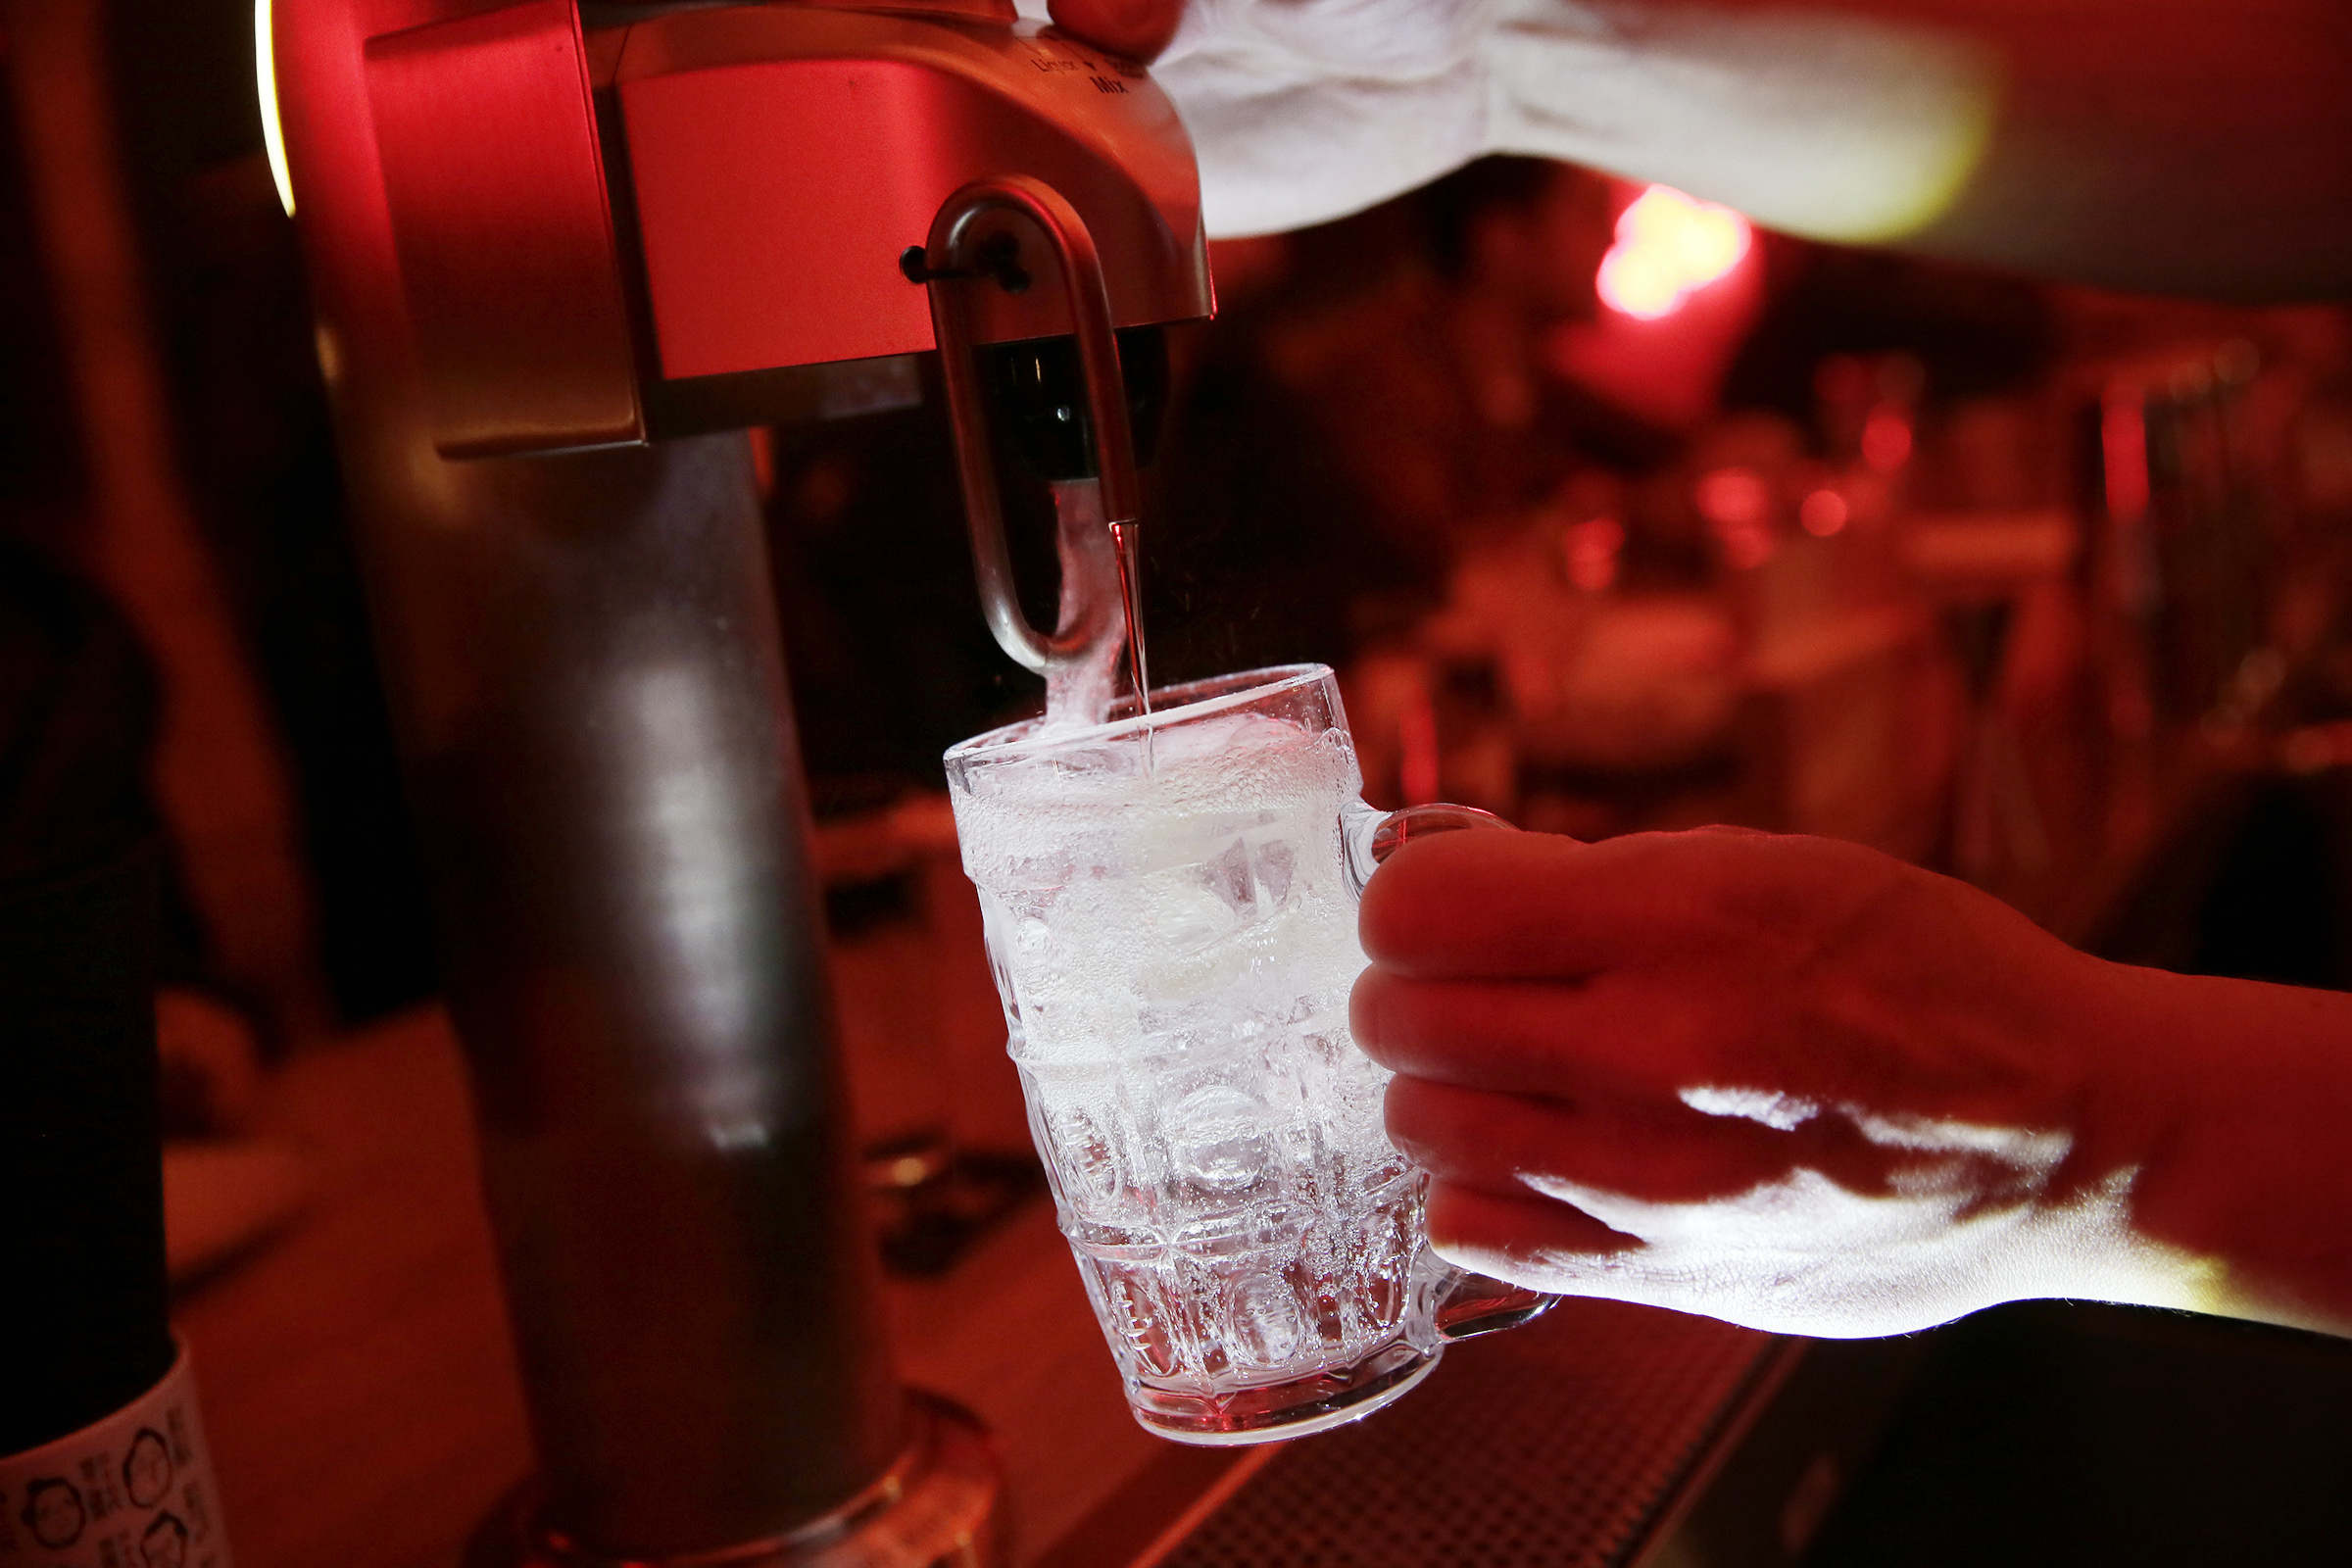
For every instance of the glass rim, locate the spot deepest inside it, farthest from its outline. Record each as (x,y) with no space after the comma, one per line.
(1020,738)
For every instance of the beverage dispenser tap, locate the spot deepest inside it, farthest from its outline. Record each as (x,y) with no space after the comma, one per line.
(556,252)
(1102,416)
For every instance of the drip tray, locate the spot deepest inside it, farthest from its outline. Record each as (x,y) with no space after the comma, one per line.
(1575,1442)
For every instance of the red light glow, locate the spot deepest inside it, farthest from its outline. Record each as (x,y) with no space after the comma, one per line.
(1592,548)
(2124,445)
(1823,512)
(1669,246)
(1885,439)
(1738,505)
(1732,498)
(1417,753)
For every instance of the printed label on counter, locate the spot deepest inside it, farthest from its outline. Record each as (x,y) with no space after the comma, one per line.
(134,1490)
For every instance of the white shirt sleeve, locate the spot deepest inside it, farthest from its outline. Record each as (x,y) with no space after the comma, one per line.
(1823,124)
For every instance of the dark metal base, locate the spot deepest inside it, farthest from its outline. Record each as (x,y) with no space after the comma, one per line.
(939,1506)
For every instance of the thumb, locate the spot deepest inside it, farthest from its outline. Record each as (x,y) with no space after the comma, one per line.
(1136,28)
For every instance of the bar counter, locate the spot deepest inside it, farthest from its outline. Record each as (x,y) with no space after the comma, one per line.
(364,1410)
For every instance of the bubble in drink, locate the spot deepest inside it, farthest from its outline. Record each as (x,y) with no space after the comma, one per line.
(1175,941)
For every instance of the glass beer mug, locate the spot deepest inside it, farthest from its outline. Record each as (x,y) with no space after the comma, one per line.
(1169,902)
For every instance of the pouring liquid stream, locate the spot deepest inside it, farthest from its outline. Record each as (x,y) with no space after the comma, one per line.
(1124,537)
(1100,588)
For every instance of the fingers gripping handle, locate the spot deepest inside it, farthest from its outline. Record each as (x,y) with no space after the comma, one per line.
(1467,1305)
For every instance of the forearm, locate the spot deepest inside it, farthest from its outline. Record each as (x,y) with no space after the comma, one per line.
(2167,144)
(2177,145)
(2241,1097)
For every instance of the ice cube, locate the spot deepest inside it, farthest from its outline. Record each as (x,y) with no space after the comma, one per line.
(1191,908)
(1275,863)
(1228,877)
(1216,1137)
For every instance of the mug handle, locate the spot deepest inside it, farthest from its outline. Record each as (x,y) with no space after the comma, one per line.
(1371,835)
(1468,1305)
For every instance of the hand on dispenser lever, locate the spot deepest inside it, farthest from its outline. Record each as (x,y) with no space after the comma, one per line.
(1802,1085)
(2023,134)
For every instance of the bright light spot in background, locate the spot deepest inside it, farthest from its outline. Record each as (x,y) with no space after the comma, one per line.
(1823,512)
(1731,498)
(1666,370)
(264,76)
(1668,248)
(1886,438)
